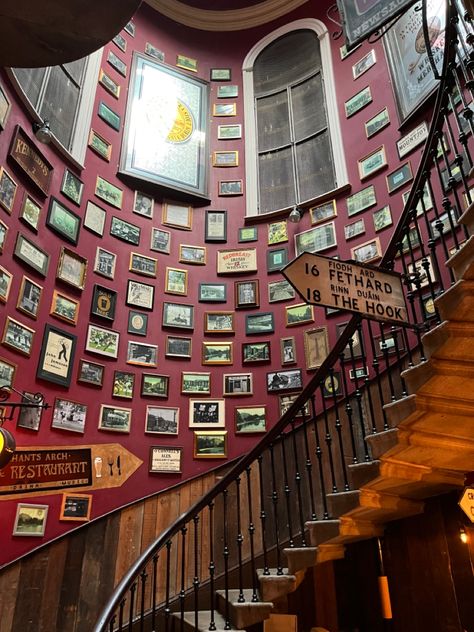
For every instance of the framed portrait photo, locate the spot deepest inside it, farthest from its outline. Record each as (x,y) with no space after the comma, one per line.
(143,204)
(217,353)
(102,341)
(206,412)
(30,254)
(30,212)
(123,384)
(165,460)
(250,419)
(140,294)
(288,350)
(90,373)
(115,418)
(68,415)
(57,356)
(142,354)
(76,507)
(188,63)
(63,221)
(221,74)
(261,323)
(154,385)
(210,444)
(162,420)
(64,307)
(94,218)
(30,520)
(72,187)
(72,268)
(195,383)
(17,336)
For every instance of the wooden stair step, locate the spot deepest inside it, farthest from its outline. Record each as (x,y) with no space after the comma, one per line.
(456,304)
(380,507)
(321,531)
(341,502)
(330,551)
(396,412)
(352,530)
(204,620)
(430,449)
(452,423)
(450,341)
(274,586)
(461,261)
(243,614)
(382,442)
(456,388)
(300,558)
(420,375)
(360,473)
(467,218)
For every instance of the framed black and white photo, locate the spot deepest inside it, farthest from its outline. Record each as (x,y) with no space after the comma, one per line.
(316,239)
(212,292)
(7,373)
(355,342)
(323,212)
(364,64)
(8,188)
(246,294)
(17,336)
(137,323)
(100,145)
(176,281)
(29,417)
(140,294)
(76,507)
(57,356)
(154,52)
(219,322)
(221,74)
(72,187)
(354,229)
(217,353)
(216,226)
(229,132)
(141,264)
(162,420)
(115,418)
(68,415)
(193,255)
(105,262)
(230,187)
(143,204)
(224,109)
(178,347)
(90,373)
(142,354)
(205,413)
(154,385)
(160,240)
(3,235)
(288,350)
(123,384)
(195,383)
(227,91)
(72,268)
(299,314)
(6,279)
(29,296)
(130,28)
(30,212)
(368,251)
(104,301)
(125,231)
(287,380)
(30,254)
(237,384)
(261,323)
(372,163)
(120,42)
(94,218)
(358,202)
(377,123)
(280,291)
(178,315)
(119,65)
(255,352)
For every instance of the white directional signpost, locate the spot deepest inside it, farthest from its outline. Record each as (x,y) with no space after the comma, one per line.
(467,502)
(356,288)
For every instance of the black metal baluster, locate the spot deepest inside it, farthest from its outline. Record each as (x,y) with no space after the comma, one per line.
(251,529)
(396,342)
(225,496)
(287,490)
(143,579)
(133,589)
(154,589)
(121,613)
(378,380)
(240,541)
(298,482)
(319,453)
(112,623)
(167,609)
(196,582)
(308,464)
(358,394)
(368,390)
(328,439)
(349,413)
(212,566)
(275,510)
(263,517)
(182,592)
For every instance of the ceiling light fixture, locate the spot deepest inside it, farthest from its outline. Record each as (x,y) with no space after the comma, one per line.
(296,214)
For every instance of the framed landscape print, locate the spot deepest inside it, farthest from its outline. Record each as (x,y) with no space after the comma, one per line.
(30,254)
(153,51)
(177,215)
(119,65)
(217,353)
(178,347)
(100,145)
(143,204)
(165,460)
(193,255)
(209,444)
(64,307)
(68,415)
(94,218)
(140,294)
(230,187)
(115,418)
(299,314)
(354,229)
(227,92)
(90,373)
(255,352)
(206,412)
(261,323)
(321,213)
(142,354)
(154,385)
(104,263)
(249,419)
(109,84)
(361,200)
(29,296)
(125,231)
(57,356)
(108,192)
(30,520)
(176,281)
(382,218)
(224,109)
(63,221)
(160,240)
(30,212)
(121,42)
(104,301)
(221,74)
(76,507)
(361,66)
(108,115)
(17,336)
(178,315)
(225,158)
(229,132)
(280,291)
(358,101)
(372,163)
(6,279)
(162,420)
(377,123)
(219,322)
(72,268)
(212,292)
(237,384)
(316,239)
(102,341)
(188,63)
(72,187)
(195,383)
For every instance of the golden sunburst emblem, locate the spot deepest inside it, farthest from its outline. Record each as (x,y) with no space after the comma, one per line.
(183,125)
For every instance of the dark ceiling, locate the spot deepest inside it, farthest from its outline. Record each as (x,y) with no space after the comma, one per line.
(221,5)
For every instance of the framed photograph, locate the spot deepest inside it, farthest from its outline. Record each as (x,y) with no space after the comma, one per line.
(63,221)
(332,385)
(288,380)
(188,63)
(177,215)
(246,294)
(108,192)
(30,212)
(160,240)
(76,507)
(299,314)
(154,385)
(121,42)
(237,384)
(285,401)
(377,123)
(255,352)
(64,307)
(178,315)
(193,255)
(206,412)
(224,109)
(316,239)
(358,374)
(109,84)
(137,323)
(276,259)
(361,66)
(358,102)
(100,145)
(30,254)
(250,419)
(109,116)
(29,418)
(235,261)
(323,212)
(69,415)
(94,218)
(389,344)
(445,223)
(212,292)
(354,229)
(6,279)
(229,132)
(176,281)
(8,188)
(154,52)
(57,356)
(143,204)
(123,383)
(372,163)
(72,268)
(114,418)
(248,233)
(221,74)
(382,218)
(162,420)
(165,460)
(90,373)
(210,444)
(178,347)
(130,28)
(357,343)
(316,347)
(216,226)
(230,187)
(102,341)
(5,107)
(17,336)
(345,52)
(280,291)
(277,233)
(262,323)
(288,350)
(72,187)
(3,235)
(399,177)
(424,204)
(30,520)
(421,273)
(361,200)
(225,158)
(125,231)
(7,373)
(141,264)
(195,383)
(142,354)
(219,322)
(104,301)
(119,65)
(227,92)
(217,353)
(105,262)
(368,251)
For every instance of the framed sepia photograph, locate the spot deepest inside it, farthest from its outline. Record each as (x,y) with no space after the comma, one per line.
(195,383)
(382,218)
(176,281)
(364,64)
(165,460)
(72,268)
(68,415)
(104,301)
(178,315)
(230,187)
(255,352)
(399,177)
(361,200)
(162,420)
(236,261)
(30,520)
(29,418)
(316,347)
(109,84)
(160,240)
(299,314)
(105,262)
(354,229)
(193,255)
(125,231)
(250,419)
(285,401)
(141,264)
(115,418)
(288,350)
(215,226)
(100,145)
(206,412)
(377,123)
(140,294)
(280,291)
(29,296)
(30,212)
(72,187)
(57,356)
(229,132)
(91,373)
(63,221)
(288,380)
(6,279)
(219,322)
(262,323)
(64,307)
(368,251)
(177,215)
(108,192)
(154,385)
(76,507)
(142,354)
(178,347)
(137,323)
(316,239)
(225,158)
(246,294)
(372,163)
(94,218)
(237,384)
(217,353)
(358,102)
(210,444)
(143,204)
(29,253)
(212,292)
(102,341)
(17,336)
(109,116)
(321,213)
(221,74)
(8,188)
(277,258)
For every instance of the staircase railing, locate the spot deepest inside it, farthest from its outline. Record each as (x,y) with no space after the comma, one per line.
(298,473)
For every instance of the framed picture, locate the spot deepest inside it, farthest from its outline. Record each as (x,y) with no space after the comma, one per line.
(3,235)
(399,177)
(105,262)
(288,350)
(354,229)
(30,212)
(137,323)
(212,292)
(121,42)
(176,281)
(125,231)
(178,347)
(285,401)
(206,412)
(90,373)
(277,233)
(224,109)
(235,261)
(108,115)
(57,356)
(230,187)
(219,322)
(227,92)
(72,268)
(5,107)
(413,139)
(250,419)
(94,218)
(368,251)
(280,291)
(445,223)
(255,352)
(6,279)
(30,254)
(390,343)
(216,226)
(210,444)
(248,233)
(316,347)
(29,418)
(221,74)
(69,415)
(76,507)
(377,123)
(332,385)
(30,520)
(177,215)
(345,52)
(161,420)
(357,343)
(361,200)
(229,132)
(119,65)
(100,145)
(141,264)
(246,294)
(64,307)
(217,353)
(316,239)
(154,52)
(372,163)
(72,187)
(323,212)
(63,221)
(108,192)
(261,323)
(115,418)
(237,384)
(195,383)
(130,28)
(225,158)
(17,336)
(102,341)
(104,301)
(8,188)
(276,259)
(299,314)
(186,62)
(143,204)
(193,255)
(142,354)
(289,380)
(123,383)
(109,84)
(382,218)
(358,373)
(160,240)
(165,460)
(361,66)
(357,102)
(178,315)
(7,373)
(421,273)
(424,204)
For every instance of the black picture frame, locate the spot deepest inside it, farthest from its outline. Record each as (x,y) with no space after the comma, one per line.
(137,323)
(216,226)
(140,294)
(212,293)
(62,221)
(104,301)
(277,258)
(261,323)
(56,358)
(399,177)
(284,380)
(91,373)
(125,231)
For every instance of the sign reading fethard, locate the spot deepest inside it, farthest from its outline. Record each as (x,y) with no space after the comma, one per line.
(32,470)
(31,160)
(353,287)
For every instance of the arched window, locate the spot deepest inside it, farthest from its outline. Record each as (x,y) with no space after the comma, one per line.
(293,141)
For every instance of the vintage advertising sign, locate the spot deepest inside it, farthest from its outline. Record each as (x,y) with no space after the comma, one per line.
(31,160)
(352,287)
(235,261)
(410,141)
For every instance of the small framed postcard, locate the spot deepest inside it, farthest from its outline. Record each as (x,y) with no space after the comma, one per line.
(215,226)
(361,200)
(154,52)
(104,301)
(68,415)
(206,412)
(227,92)
(137,323)
(72,187)
(210,444)
(361,66)
(100,145)
(108,192)
(160,240)
(64,307)
(125,231)
(30,520)
(321,213)
(212,292)
(178,315)
(31,255)
(6,279)
(368,251)
(250,419)
(248,233)
(288,350)
(225,159)
(217,353)
(288,380)
(8,188)
(187,63)
(72,268)
(162,420)
(399,177)
(299,314)
(237,384)
(178,347)
(358,102)
(105,262)
(142,354)
(230,187)
(219,322)
(102,341)
(17,336)
(143,204)
(255,352)
(119,65)
(280,291)
(109,84)
(354,229)
(115,418)
(120,42)
(195,383)
(30,212)
(176,281)
(109,116)
(140,294)
(63,221)
(372,163)
(90,373)
(141,264)
(377,123)
(221,74)
(154,385)
(76,507)
(246,294)
(130,28)
(165,460)
(382,218)
(177,215)
(193,255)
(261,323)
(229,132)
(29,296)
(94,218)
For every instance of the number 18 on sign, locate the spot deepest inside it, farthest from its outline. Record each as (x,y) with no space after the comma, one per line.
(353,287)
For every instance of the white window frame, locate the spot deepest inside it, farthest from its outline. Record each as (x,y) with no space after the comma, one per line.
(334,127)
